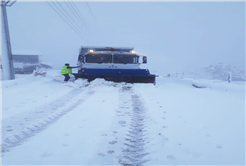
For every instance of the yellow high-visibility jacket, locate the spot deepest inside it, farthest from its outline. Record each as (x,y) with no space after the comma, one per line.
(66,70)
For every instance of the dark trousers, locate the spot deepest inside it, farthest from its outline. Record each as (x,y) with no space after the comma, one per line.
(66,77)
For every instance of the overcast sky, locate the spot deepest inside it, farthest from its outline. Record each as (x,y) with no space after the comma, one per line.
(176,36)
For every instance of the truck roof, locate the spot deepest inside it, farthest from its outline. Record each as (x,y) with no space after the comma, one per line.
(84,49)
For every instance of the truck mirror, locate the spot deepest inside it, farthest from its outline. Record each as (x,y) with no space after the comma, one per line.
(144,59)
(81,58)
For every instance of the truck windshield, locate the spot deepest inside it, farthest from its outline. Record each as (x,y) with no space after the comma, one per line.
(98,58)
(125,59)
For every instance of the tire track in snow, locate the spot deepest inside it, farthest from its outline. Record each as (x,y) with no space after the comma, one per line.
(126,142)
(135,141)
(53,112)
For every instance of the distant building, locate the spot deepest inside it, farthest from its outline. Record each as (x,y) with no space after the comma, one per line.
(31,59)
(25,62)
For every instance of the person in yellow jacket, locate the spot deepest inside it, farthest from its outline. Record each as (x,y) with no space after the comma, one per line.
(66,70)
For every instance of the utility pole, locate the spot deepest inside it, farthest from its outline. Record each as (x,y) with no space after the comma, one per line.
(6,52)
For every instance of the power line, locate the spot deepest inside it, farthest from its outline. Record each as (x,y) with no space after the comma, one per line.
(70,6)
(71,18)
(65,20)
(78,12)
(91,11)
(69,23)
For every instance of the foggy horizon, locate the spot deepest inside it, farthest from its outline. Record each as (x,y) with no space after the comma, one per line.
(175,36)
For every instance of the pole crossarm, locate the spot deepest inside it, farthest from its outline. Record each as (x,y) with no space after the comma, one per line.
(8,3)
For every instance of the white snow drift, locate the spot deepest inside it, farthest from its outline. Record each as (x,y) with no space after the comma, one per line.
(46,122)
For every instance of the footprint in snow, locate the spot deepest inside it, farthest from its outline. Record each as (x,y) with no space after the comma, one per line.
(65,144)
(101,154)
(122,122)
(196,155)
(67,134)
(39,111)
(219,146)
(110,151)
(10,130)
(113,142)
(165,139)
(160,106)
(171,157)
(187,151)
(46,154)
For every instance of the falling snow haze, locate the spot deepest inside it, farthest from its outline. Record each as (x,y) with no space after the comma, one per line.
(176,36)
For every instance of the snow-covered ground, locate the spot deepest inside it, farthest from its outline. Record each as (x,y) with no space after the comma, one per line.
(46,122)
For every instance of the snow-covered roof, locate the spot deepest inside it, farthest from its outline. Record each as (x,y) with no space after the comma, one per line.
(26,52)
(46,63)
(18,65)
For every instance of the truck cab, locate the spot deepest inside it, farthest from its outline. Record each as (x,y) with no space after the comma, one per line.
(110,58)
(115,64)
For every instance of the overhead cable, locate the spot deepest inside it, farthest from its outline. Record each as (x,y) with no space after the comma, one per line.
(65,20)
(78,12)
(91,11)
(69,17)
(72,8)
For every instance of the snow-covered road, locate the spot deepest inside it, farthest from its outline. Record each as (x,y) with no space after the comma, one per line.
(45,122)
